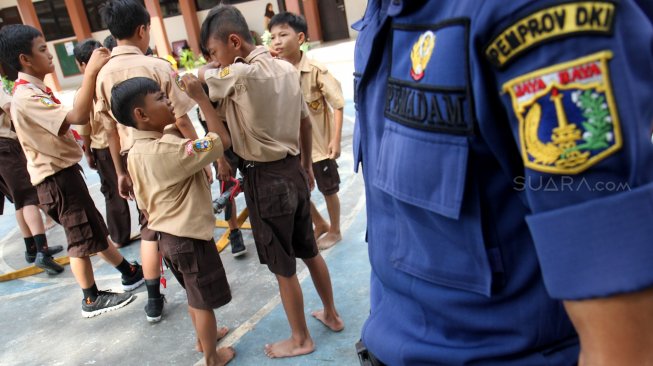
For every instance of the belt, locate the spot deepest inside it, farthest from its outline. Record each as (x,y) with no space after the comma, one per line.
(248,164)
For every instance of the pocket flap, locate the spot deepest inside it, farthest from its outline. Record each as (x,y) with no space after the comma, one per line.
(73,218)
(424,169)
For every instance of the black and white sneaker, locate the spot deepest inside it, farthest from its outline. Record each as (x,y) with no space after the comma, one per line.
(154,309)
(47,263)
(237,245)
(135,280)
(105,302)
(52,250)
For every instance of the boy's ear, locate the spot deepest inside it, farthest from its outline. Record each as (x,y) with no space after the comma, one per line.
(302,37)
(235,41)
(24,60)
(141,31)
(140,115)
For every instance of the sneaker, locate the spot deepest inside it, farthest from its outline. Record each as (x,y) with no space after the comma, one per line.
(154,309)
(134,281)
(106,301)
(30,257)
(237,245)
(47,263)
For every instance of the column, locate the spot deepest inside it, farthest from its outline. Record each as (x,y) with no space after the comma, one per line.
(158,29)
(189,13)
(29,17)
(78,19)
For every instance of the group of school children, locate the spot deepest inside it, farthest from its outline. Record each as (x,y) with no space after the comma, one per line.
(283,117)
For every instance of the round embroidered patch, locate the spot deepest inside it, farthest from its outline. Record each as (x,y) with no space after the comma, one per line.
(202,145)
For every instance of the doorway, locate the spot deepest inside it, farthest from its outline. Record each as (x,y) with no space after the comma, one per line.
(333,19)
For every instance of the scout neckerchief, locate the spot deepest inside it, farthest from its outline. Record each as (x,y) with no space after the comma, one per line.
(47,90)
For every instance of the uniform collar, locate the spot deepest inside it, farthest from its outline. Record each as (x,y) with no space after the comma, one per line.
(125,50)
(257,52)
(304,64)
(146,135)
(32,80)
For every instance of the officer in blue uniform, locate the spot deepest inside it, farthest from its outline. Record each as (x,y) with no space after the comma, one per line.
(509,180)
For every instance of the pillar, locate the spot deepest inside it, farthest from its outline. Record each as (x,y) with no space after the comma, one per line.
(78,19)
(158,29)
(189,13)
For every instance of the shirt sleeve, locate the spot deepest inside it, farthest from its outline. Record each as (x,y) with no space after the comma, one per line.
(222,82)
(331,89)
(5,100)
(40,107)
(304,108)
(577,111)
(194,155)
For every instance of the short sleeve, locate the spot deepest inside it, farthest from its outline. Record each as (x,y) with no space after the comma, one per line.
(222,82)
(51,115)
(331,89)
(194,155)
(84,130)
(304,111)
(101,113)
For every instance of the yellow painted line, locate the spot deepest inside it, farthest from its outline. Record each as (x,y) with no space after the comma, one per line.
(224,239)
(32,270)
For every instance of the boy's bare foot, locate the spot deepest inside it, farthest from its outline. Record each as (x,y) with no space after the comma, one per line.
(289,348)
(320,230)
(335,324)
(328,240)
(225,354)
(222,332)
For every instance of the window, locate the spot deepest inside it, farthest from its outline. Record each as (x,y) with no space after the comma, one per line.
(92,8)
(54,19)
(9,16)
(170,8)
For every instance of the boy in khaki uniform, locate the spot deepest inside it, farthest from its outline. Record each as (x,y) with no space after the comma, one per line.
(99,158)
(266,114)
(129,23)
(15,184)
(171,187)
(43,128)
(321,91)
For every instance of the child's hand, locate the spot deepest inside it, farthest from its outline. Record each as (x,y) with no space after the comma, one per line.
(99,57)
(334,149)
(193,87)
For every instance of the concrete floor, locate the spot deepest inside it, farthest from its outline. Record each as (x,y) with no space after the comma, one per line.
(40,315)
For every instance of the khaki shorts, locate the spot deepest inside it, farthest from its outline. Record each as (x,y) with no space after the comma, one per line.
(14,178)
(326,176)
(197,266)
(65,198)
(278,201)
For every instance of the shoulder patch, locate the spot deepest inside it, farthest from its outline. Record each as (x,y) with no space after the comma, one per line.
(315,105)
(548,24)
(180,85)
(224,72)
(202,145)
(47,102)
(567,115)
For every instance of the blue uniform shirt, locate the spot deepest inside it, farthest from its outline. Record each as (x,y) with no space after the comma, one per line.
(508,166)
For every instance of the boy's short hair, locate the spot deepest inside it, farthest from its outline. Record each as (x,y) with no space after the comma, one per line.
(222,21)
(123,17)
(110,42)
(84,50)
(130,94)
(16,39)
(294,21)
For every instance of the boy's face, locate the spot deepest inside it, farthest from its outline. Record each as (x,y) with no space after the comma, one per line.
(285,41)
(157,112)
(40,61)
(223,52)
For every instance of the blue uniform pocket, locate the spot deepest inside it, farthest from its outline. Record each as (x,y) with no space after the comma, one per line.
(439,239)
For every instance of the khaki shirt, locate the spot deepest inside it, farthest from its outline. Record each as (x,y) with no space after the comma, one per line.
(37,120)
(5,118)
(127,62)
(319,88)
(96,130)
(262,102)
(170,183)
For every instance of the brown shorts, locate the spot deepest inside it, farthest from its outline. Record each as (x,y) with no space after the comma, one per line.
(65,198)
(278,201)
(14,178)
(197,266)
(326,176)
(146,232)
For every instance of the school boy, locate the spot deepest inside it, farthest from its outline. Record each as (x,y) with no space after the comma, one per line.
(15,184)
(266,114)
(129,23)
(43,128)
(322,93)
(98,157)
(171,186)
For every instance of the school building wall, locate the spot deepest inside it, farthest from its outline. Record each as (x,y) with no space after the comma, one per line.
(176,30)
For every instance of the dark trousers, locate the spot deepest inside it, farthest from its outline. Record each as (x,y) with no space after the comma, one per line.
(118,218)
